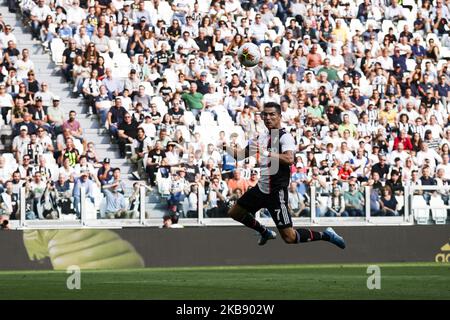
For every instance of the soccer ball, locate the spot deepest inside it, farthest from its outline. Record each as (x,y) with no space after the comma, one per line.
(249,54)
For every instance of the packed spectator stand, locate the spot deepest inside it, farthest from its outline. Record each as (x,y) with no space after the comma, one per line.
(363,86)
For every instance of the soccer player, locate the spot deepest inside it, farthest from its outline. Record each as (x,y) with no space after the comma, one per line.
(276,153)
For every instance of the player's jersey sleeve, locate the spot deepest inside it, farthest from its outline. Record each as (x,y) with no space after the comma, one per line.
(287,143)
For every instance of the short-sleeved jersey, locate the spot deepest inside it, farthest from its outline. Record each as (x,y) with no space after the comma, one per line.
(274,176)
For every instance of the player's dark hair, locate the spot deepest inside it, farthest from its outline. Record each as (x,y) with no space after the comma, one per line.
(273,105)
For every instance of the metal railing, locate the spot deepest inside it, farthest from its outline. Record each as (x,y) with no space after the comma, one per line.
(421,204)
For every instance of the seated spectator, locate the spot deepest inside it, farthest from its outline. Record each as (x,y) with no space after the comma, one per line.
(115,205)
(216,199)
(39,114)
(115,116)
(354,201)
(237,182)
(154,159)
(178,188)
(193,201)
(336,205)
(296,204)
(388,203)
(85,182)
(6,103)
(193,100)
(127,132)
(69,152)
(91,90)
(142,98)
(9,202)
(103,103)
(55,116)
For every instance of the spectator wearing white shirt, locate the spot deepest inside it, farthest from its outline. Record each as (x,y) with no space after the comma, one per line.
(186,44)
(336,59)
(360,164)
(395,12)
(385,60)
(258,30)
(445,165)
(343,154)
(278,63)
(436,129)
(75,15)
(7,36)
(38,15)
(309,84)
(427,156)
(399,153)
(234,103)
(82,39)
(24,65)
(45,94)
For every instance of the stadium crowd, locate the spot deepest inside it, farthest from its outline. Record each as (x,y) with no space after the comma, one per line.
(363,86)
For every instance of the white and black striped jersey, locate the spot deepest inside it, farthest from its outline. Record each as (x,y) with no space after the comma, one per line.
(274,175)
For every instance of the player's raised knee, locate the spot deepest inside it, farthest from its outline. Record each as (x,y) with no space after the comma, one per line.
(236,212)
(288,235)
(232,212)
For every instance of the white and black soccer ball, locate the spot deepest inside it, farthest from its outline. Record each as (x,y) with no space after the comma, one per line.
(249,54)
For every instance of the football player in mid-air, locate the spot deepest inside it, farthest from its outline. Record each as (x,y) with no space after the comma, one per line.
(276,153)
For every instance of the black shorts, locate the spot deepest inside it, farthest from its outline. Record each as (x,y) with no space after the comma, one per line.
(275,202)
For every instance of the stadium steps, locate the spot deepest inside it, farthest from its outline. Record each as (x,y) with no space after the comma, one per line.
(47,71)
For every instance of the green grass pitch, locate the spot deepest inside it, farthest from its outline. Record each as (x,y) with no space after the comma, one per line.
(398,281)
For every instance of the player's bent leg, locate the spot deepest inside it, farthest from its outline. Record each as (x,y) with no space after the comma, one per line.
(289,235)
(241,214)
(237,212)
(308,235)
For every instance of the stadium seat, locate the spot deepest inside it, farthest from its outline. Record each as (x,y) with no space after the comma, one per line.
(410,65)
(102,207)
(372,22)
(57,48)
(185,133)
(386,25)
(271,35)
(439,215)
(321,205)
(356,24)
(109,63)
(49,159)
(164,186)
(185,206)
(208,132)
(263,46)
(9,158)
(273,73)
(148,88)
(207,119)
(445,53)
(441,63)
(165,12)
(189,118)
(224,119)
(160,104)
(121,60)
(421,213)
(114,46)
(54,170)
(400,202)
(401,25)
